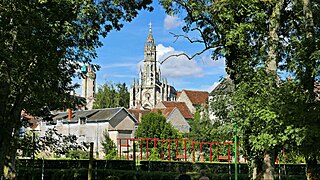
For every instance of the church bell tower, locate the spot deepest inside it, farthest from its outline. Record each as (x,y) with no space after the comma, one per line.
(148,90)
(150,64)
(88,85)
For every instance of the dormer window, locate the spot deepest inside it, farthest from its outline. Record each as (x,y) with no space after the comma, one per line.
(83,120)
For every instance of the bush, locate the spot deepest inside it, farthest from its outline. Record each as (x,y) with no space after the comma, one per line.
(77,154)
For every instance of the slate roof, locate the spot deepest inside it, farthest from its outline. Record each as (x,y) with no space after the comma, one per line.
(183,108)
(60,115)
(104,114)
(91,115)
(197,97)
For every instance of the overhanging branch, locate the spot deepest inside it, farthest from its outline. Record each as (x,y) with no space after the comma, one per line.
(186,55)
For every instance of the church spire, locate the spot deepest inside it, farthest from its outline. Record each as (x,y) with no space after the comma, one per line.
(150,27)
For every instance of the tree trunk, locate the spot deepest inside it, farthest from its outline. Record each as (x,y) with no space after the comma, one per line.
(257,173)
(268,165)
(311,164)
(309,77)
(9,128)
(274,26)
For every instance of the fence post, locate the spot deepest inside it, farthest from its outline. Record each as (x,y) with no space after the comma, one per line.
(90,161)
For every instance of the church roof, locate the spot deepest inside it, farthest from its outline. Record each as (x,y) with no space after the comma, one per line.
(197,97)
(183,108)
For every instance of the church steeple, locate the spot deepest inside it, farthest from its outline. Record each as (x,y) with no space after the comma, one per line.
(149,90)
(150,64)
(150,47)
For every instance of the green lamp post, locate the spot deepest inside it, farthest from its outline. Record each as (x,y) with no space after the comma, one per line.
(235,147)
(235,150)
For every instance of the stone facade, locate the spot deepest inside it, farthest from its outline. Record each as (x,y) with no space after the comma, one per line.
(88,86)
(150,88)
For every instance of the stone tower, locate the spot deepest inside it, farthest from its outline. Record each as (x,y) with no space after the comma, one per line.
(88,86)
(149,89)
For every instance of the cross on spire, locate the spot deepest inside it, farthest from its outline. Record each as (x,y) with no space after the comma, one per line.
(150,27)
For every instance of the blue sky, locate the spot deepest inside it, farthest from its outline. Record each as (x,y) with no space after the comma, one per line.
(122,54)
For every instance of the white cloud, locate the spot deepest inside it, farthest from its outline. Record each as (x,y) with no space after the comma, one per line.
(177,66)
(171,22)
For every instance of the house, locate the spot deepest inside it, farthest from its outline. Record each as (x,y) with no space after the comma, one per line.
(89,125)
(193,99)
(138,113)
(221,90)
(176,113)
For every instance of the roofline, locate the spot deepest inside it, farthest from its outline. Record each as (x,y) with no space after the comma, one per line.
(194,90)
(172,113)
(130,115)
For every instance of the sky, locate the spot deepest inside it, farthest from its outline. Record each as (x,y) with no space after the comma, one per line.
(122,54)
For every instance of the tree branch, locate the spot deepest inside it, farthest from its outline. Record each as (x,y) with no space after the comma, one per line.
(186,55)
(177,36)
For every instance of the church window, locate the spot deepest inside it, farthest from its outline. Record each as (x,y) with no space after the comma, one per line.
(148,96)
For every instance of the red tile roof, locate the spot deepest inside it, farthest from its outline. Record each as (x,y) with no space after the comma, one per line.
(33,120)
(197,97)
(178,94)
(137,113)
(183,108)
(165,111)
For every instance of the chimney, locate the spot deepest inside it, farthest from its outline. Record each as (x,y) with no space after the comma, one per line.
(69,114)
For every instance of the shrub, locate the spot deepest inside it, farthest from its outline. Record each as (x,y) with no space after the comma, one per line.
(77,154)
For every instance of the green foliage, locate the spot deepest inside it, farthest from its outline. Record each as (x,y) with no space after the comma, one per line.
(154,155)
(293,156)
(112,95)
(26,145)
(154,125)
(204,129)
(52,143)
(252,36)
(77,154)
(109,148)
(43,45)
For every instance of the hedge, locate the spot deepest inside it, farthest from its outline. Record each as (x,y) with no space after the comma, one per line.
(125,169)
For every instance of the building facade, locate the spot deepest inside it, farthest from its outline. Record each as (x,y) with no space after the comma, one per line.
(90,126)
(150,88)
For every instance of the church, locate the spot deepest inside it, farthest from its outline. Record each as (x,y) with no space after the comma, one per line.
(150,89)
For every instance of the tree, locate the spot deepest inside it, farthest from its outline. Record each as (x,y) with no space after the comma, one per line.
(257,39)
(204,129)
(43,44)
(52,143)
(112,95)
(109,148)
(154,125)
